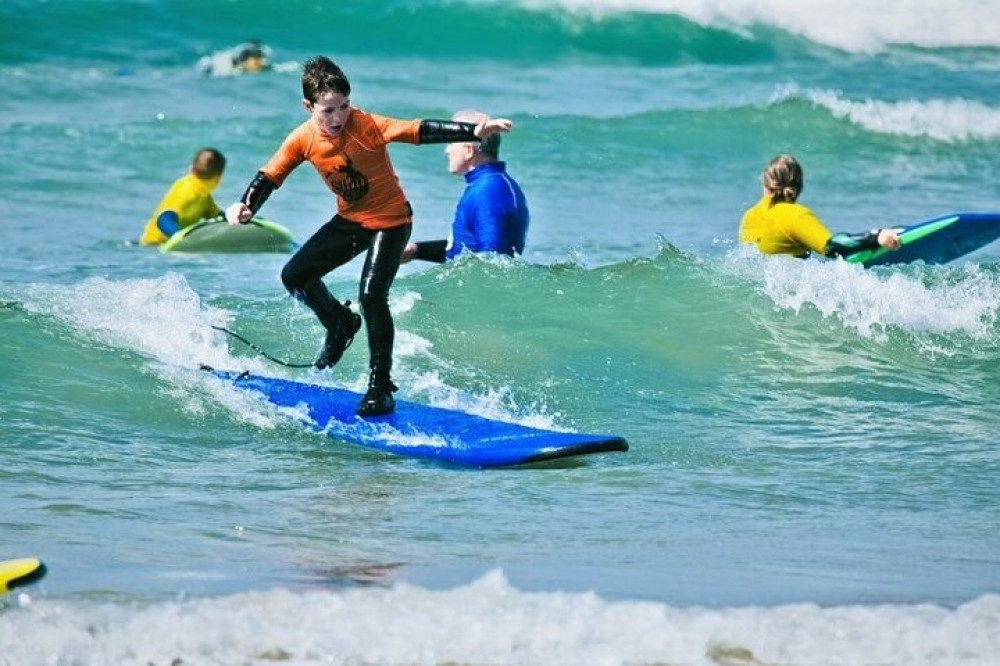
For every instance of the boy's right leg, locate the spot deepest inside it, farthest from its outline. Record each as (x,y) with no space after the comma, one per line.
(334,244)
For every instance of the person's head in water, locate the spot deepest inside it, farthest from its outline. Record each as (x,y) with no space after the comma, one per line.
(782,179)
(208,164)
(251,57)
(465,156)
(326,95)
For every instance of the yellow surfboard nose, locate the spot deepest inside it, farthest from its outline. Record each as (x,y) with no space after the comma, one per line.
(14,573)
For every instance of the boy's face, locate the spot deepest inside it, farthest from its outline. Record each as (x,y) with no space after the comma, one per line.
(329,112)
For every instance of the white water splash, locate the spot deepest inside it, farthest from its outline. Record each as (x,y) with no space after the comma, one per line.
(964,301)
(164,320)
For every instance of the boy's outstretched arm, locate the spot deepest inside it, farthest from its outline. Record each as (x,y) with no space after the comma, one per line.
(454,131)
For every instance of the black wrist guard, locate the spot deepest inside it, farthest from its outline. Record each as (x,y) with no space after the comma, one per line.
(257,193)
(446,131)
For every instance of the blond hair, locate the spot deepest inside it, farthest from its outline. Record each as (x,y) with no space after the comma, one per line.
(783,179)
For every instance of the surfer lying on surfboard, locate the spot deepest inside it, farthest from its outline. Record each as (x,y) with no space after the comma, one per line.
(778,225)
(189,199)
(348,147)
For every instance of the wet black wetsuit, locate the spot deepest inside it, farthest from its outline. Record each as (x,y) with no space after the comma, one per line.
(334,244)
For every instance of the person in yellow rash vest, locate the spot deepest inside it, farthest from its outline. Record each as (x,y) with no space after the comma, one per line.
(778,225)
(188,200)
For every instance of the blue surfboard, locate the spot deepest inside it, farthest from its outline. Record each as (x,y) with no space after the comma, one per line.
(421,431)
(935,241)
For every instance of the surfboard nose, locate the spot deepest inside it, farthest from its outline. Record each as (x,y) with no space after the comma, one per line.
(19,572)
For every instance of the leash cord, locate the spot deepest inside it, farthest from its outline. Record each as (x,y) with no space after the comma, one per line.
(261,351)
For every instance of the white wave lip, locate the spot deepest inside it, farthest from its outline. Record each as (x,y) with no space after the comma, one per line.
(850,25)
(491,622)
(940,119)
(161,317)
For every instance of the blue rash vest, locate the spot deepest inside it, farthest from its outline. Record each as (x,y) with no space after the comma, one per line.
(492,215)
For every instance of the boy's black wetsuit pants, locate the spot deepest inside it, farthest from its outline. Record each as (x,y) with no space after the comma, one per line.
(334,244)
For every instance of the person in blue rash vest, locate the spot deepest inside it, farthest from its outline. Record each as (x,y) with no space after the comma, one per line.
(492,215)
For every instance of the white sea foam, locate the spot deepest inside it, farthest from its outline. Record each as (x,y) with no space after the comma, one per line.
(165,320)
(491,622)
(965,301)
(428,385)
(163,317)
(404,301)
(852,25)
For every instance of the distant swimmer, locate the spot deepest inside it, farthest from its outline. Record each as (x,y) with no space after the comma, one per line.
(249,57)
(188,200)
(778,225)
(492,215)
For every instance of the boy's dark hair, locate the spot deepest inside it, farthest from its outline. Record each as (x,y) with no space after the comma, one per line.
(208,163)
(320,75)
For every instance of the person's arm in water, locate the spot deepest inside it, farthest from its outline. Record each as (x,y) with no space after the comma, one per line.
(168,222)
(433,251)
(843,243)
(808,230)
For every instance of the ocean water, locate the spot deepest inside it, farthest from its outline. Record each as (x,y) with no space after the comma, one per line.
(813,473)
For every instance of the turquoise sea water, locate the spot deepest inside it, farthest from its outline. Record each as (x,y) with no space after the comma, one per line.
(813,468)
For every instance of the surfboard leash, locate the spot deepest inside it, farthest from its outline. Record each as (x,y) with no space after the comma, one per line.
(260,351)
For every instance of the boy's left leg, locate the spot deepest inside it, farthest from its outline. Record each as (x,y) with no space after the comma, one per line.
(335,243)
(381,266)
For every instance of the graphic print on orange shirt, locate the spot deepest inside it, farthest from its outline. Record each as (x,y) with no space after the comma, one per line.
(346,181)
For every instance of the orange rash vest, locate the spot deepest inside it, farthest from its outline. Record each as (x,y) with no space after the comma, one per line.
(355,166)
